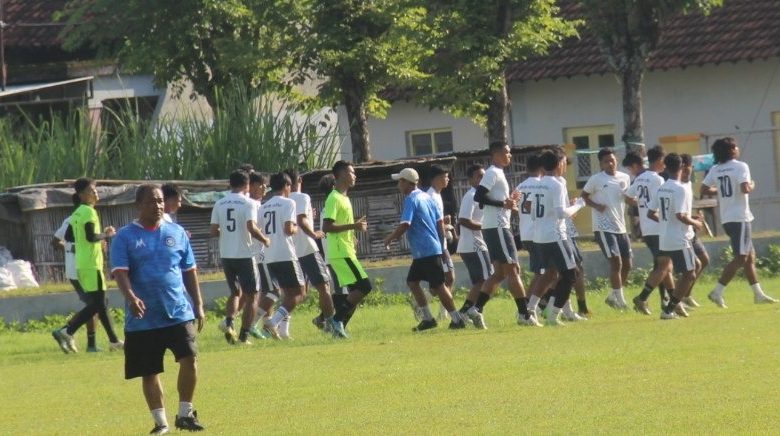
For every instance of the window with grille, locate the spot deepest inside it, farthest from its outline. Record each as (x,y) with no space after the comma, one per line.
(425,142)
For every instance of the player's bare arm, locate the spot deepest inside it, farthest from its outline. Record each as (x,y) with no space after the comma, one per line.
(136,305)
(397,233)
(192,285)
(588,201)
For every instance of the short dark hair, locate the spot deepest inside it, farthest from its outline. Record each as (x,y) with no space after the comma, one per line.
(82,183)
(473,169)
(279,181)
(326,184)
(632,158)
(256,177)
(340,166)
(655,154)
(238,178)
(549,160)
(687,159)
(292,173)
(496,146)
(170,190)
(606,151)
(532,162)
(75,199)
(723,149)
(437,170)
(672,162)
(143,190)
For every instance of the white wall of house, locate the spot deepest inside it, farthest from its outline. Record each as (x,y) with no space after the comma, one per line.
(116,86)
(388,135)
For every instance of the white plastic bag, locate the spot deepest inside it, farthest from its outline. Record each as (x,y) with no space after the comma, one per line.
(22,273)
(7,282)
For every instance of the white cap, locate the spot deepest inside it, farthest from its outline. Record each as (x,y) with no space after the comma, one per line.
(408,174)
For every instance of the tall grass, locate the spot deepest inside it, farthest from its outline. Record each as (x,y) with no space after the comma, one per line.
(246,128)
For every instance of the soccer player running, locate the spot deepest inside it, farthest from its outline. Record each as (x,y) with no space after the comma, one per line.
(340,226)
(312,264)
(551,208)
(671,208)
(730,180)
(85,224)
(471,245)
(269,291)
(440,178)
(698,247)
(279,219)
(645,187)
(63,238)
(234,221)
(527,192)
(605,193)
(154,267)
(493,195)
(424,225)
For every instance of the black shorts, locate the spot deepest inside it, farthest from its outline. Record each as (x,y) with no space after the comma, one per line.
(427,269)
(314,269)
(287,274)
(478,265)
(535,261)
(558,255)
(267,283)
(501,245)
(79,291)
(652,242)
(614,244)
(698,247)
(144,350)
(682,260)
(741,236)
(577,252)
(241,273)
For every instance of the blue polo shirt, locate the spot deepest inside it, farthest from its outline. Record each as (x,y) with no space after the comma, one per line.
(422,215)
(155,260)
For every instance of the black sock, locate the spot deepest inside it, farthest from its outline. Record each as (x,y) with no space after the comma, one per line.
(229,321)
(242,335)
(466,306)
(342,311)
(349,315)
(482,300)
(543,303)
(582,306)
(662,291)
(646,291)
(673,302)
(90,339)
(522,305)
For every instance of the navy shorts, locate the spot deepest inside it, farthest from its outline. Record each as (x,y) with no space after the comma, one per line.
(577,252)
(614,244)
(558,255)
(267,283)
(535,260)
(741,237)
(682,260)
(698,247)
(314,269)
(478,265)
(652,242)
(241,273)
(287,274)
(501,245)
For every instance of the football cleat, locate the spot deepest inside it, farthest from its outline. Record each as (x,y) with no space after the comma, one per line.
(189,423)
(718,300)
(425,325)
(764,299)
(641,306)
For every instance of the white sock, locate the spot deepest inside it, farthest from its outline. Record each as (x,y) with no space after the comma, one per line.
(719,289)
(554,312)
(618,293)
(426,313)
(614,294)
(757,291)
(185,409)
(284,327)
(551,302)
(567,310)
(455,316)
(533,303)
(472,310)
(159,417)
(280,314)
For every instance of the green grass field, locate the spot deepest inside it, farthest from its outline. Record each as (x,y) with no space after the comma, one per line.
(619,373)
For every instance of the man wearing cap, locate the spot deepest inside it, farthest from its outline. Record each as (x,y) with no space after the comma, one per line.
(422,220)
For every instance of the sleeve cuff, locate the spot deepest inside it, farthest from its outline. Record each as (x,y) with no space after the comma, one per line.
(120,268)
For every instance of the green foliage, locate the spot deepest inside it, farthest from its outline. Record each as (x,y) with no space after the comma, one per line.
(770,265)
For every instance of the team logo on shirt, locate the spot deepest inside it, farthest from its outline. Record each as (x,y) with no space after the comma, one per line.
(169,241)
(140,244)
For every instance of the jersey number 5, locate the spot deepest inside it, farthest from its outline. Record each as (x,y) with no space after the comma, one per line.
(231,221)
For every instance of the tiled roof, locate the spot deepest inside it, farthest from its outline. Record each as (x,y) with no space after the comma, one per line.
(30,23)
(740,30)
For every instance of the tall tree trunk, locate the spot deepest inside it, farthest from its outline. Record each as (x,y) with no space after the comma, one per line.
(355,104)
(631,81)
(498,107)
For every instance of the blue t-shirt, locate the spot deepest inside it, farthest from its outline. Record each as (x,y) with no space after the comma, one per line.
(155,260)
(422,214)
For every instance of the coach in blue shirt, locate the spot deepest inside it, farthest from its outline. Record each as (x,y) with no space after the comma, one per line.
(154,267)
(423,225)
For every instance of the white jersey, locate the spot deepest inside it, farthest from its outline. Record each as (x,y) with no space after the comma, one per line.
(70,250)
(550,196)
(168,218)
(644,188)
(304,244)
(571,228)
(231,213)
(609,191)
(258,249)
(672,199)
(728,178)
(526,206)
(436,196)
(274,214)
(470,240)
(498,189)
